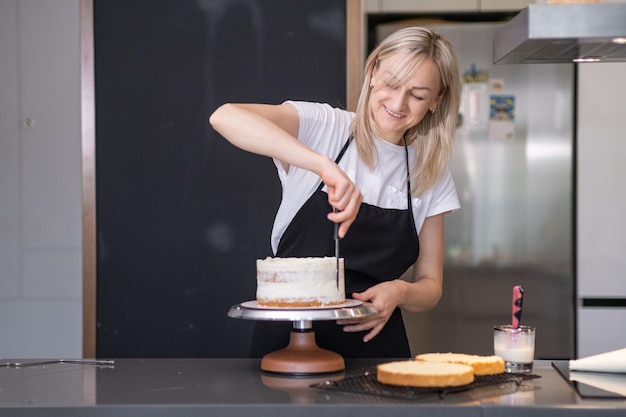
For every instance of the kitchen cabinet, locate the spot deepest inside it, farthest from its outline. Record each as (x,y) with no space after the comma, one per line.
(600,208)
(426,6)
(500,5)
(413,6)
(40,179)
(600,330)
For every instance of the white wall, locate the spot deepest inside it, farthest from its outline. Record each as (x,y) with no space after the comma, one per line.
(40,180)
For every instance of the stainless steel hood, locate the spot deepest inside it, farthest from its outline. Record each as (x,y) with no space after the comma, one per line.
(563,33)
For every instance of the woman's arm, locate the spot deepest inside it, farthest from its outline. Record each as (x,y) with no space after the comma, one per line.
(272,130)
(269,130)
(421,294)
(424,292)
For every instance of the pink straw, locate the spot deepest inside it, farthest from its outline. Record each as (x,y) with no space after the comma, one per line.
(518,301)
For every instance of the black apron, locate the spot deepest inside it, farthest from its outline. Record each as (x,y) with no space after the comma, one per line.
(380,245)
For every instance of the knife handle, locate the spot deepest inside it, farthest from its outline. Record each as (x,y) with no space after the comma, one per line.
(518,303)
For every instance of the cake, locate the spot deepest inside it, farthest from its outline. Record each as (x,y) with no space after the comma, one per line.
(482,365)
(299,282)
(424,374)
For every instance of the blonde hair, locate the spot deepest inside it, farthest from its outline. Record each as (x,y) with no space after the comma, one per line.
(434,134)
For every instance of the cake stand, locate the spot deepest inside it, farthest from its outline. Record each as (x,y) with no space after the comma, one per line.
(302,356)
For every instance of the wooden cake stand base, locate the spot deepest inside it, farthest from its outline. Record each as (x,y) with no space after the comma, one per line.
(302,356)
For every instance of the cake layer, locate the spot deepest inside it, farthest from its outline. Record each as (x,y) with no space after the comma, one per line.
(483,365)
(299,282)
(424,374)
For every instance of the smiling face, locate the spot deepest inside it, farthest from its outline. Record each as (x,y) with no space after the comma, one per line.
(399,102)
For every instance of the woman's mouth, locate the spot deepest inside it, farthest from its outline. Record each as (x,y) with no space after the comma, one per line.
(393,114)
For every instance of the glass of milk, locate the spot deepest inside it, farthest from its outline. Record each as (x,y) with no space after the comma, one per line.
(515,346)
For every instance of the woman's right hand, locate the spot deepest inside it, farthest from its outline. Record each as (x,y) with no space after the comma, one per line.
(343,195)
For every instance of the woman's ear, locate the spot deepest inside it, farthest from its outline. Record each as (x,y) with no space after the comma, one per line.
(439,99)
(374,72)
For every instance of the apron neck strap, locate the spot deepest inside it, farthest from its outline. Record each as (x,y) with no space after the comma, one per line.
(408,176)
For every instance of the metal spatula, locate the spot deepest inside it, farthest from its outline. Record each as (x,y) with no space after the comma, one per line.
(337,250)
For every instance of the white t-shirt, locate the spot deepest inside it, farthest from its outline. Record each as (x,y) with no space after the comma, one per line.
(326,129)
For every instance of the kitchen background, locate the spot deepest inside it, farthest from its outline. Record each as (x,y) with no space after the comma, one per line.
(514,175)
(40,197)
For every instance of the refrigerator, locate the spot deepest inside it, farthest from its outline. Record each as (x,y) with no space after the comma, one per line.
(600,220)
(513,167)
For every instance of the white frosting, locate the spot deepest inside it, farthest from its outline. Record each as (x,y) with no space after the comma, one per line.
(300,280)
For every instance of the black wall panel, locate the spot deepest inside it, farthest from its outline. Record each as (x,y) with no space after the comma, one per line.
(182,215)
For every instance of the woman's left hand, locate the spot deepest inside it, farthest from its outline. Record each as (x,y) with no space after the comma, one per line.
(385,297)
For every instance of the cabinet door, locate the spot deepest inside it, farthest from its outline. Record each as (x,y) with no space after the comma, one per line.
(499,5)
(40,179)
(593,338)
(418,6)
(601,149)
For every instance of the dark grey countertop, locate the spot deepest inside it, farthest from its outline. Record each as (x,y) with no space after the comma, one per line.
(237,387)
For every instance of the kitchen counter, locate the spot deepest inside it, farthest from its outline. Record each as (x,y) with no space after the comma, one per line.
(237,387)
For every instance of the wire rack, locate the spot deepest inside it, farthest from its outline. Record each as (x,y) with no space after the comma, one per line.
(365,382)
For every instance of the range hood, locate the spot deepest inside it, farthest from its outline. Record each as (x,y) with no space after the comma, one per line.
(563,33)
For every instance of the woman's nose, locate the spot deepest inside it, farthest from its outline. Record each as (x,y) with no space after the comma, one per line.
(398,99)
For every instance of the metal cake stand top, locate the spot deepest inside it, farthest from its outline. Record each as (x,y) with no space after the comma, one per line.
(351,309)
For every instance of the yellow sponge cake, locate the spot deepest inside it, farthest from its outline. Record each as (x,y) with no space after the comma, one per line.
(482,365)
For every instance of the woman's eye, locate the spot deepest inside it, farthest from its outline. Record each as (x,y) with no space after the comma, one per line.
(417,97)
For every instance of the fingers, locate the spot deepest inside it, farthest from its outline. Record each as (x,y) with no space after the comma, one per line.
(382,298)
(374,326)
(347,206)
(373,323)
(343,195)
(345,220)
(373,333)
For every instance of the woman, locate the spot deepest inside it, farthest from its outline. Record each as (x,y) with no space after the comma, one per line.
(380,173)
